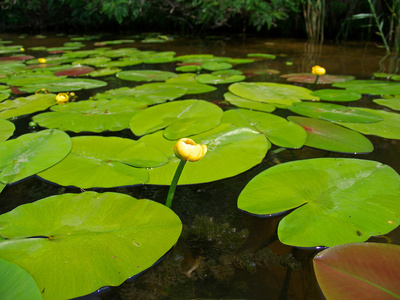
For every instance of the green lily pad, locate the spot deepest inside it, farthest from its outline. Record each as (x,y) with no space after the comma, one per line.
(150,93)
(273,93)
(246,103)
(28,79)
(337,95)
(159,59)
(6,129)
(88,240)
(334,112)
(388,128)
(27,105)
(231,151)
(122,63)
(310,78)
(393,103)
(372,87)
(4,96)
(219,79)
(97,161)
(359,271)
(65,85)
(327,136)
(336,200)
(239,61)
(216,66)
(121,52)
(189,68)
(180,119)
(278,130)
(16,283)
(104,72)
(227,72)
(262,55)
(145,75)
(189,82)
(32,153)
(90,115)
(92,61)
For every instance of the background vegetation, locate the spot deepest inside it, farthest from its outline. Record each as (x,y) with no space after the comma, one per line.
(315,19)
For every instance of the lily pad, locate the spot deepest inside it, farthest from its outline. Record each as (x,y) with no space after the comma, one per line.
(231,151)
(328,136)
(24,106)
(359,271)
(334,112)
(65,85)
(262,55)
(337,95)
(90,115)
(372,87)
(32,153)
(6,129)
(87,240)
(16,283)
(97,161)
(335,200)
(180,119)
(216,66)
(277,129)
(145,75)
(388,128)
(273,93)
(189,82)
(393,103)
(104,72)
(92,61)
(4,96)
(246,103)
(75,71)
(27,79)
(219,79)
(310,78)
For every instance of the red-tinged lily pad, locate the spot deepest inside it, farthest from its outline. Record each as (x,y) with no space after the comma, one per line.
(310,78)
(75,71)
(359,271)
(17,57)
(334,112)
(327,136)
(336,95)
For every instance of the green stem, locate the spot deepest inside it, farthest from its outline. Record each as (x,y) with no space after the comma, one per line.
(174,183)
(316,80)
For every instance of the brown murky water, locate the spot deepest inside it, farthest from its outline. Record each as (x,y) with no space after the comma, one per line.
(224,253)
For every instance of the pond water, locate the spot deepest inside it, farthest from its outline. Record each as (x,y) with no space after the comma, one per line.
(224,252)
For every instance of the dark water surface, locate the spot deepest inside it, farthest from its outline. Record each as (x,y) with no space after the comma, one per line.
(224,253)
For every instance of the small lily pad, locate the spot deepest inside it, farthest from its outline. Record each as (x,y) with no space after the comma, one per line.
(97,161)
(88,240)
(6,129)
(330,202)
(32,153)
(145,75)
(180,119)
(337,95)
(219,79)
(65,85)
(24,106)
(334,112)
(328,136)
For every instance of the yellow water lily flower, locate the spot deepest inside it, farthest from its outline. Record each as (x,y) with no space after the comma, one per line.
(62,98)
(318,70)
(42,60)
(186,149)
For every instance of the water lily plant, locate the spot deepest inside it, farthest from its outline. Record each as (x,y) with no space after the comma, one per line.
(62,98)
(319,71)
(186,150)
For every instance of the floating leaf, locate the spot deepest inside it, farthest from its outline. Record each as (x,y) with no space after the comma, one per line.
(262,55)
(32,153)
(96,161)
(273,93)
(65,85)
(189,68)
(231,151)
(337,95)
(359,271)
(250,104)
(104,72)
(189,82)
(27,79)
(277,129)
(219,79)
(327,136)
(372,87)
(145,75)
(75,71)
(310,78)
(4,96)
(336,200)
(388,128)
(334,112)
(88,240)
(16,283)
(6,129)
(92,61)
(180,119)
(393,103)
(24,106)
(216,66)
(90,115)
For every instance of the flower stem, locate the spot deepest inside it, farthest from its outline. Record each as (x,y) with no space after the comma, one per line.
(316,79)
(174,183)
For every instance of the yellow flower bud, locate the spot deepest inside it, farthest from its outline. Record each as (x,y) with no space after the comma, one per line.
(22,49)
(62,98)
(187,149)
(318,70)
(42,60)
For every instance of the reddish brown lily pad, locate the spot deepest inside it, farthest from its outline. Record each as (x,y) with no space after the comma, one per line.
(75,71)
(24,57)
(310,78)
